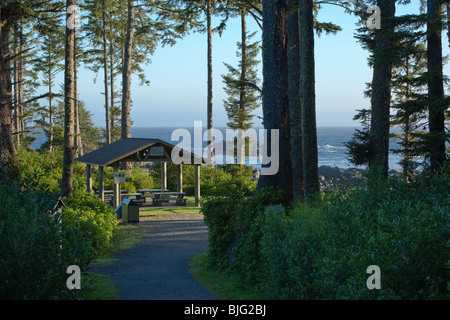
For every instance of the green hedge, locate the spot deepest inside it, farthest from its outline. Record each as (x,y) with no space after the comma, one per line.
(322,250)
(236,219)
(37,248)
(94,218)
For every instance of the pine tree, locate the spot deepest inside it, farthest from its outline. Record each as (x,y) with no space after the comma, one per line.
(12,12)
(242,86)
(98,31)
(359,146)
(409,104)
(49,64)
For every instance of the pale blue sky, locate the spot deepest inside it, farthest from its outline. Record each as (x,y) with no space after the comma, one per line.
(178,75)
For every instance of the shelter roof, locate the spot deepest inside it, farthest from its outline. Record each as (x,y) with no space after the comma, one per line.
(135,150)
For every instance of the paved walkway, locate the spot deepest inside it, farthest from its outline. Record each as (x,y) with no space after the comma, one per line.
(157,268)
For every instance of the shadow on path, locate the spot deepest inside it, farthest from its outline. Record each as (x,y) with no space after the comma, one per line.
(157,268)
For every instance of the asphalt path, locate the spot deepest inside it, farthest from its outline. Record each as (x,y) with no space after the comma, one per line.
(157,268)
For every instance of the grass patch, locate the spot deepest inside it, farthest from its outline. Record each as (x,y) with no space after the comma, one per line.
(124,237)
(225,285)
(156,213)
(101,287)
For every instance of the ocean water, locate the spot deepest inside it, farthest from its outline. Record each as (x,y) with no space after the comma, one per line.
(331,149)
(330,140)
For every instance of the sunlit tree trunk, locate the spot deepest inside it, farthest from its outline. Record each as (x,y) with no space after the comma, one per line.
(126,96)
(9,167)
(69,111)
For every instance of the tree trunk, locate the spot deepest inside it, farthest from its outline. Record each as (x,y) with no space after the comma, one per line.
(9,166)
(308,99)
(126,96)
(275,97)
(69,108)
(381,91)
(293,39)
(16,117)
(243,88)
(78,140)
(435,86)
(50,109)
(21,84)
(106,80)
(447,6)
(210,124)
(111,70)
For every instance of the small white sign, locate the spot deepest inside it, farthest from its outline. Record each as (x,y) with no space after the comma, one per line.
(120,178)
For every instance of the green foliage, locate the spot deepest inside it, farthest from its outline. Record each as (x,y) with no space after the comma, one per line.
(46,166)
(243,93)
(220,216)
(95,219)
(236,218)
(322,251)
(359,146)
(37,247)
(290,247)
(214,182)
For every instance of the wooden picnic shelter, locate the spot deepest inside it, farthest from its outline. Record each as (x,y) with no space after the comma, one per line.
(139,150)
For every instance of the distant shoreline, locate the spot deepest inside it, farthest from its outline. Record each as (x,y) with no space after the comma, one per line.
(331,176)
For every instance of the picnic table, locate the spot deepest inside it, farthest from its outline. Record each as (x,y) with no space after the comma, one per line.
(110,192)
(160,197)
(148,192)
(137,196)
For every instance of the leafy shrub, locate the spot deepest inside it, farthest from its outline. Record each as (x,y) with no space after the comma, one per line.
(322,251)
(290,246)
(221,181)
(403,229)
(37,247)
(249,223)
(48,167)
(236,219)
(95,219)
(220,215)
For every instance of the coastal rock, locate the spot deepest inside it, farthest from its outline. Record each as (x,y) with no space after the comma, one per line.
(334,176)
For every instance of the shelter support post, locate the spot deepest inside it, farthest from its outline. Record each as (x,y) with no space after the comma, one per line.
(163,175)
(180,178)
(89,178)
(116,189)
(101,184)
(197,185)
